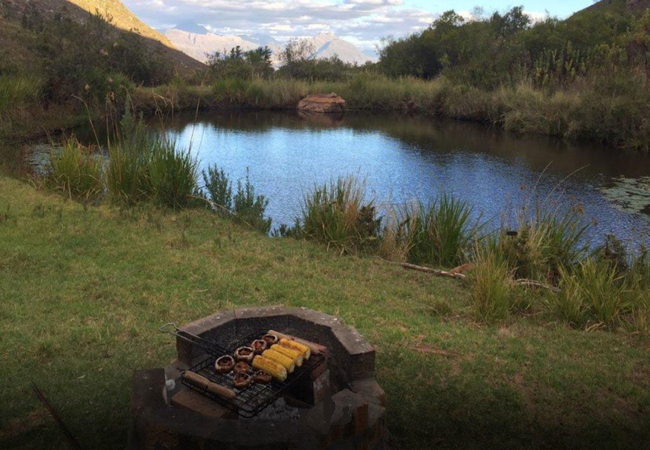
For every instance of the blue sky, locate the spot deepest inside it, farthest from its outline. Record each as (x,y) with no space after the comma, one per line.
(363,22)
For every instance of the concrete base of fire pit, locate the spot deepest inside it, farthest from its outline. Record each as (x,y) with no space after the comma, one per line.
(350,413)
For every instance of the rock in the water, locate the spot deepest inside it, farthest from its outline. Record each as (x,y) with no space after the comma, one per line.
(328,103)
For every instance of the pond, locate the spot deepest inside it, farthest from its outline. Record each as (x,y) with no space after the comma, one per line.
(405,157)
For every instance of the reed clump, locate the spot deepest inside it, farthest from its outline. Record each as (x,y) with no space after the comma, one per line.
(77,171)
(18,89)
(339,215)
(491,285)
(145,167)
(541,243)
(440,233)
(592,294)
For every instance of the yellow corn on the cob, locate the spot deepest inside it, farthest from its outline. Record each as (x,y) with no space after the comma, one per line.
(276,370)
(280,358)
(303,349)
(291,353)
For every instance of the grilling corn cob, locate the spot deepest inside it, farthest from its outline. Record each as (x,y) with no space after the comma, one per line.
(271,367)
(303,349)
(291,353)
(281,359)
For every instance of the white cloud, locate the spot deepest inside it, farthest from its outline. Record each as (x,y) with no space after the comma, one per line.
(364,21)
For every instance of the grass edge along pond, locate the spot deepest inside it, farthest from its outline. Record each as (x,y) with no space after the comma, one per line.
(85,289)
(539,265)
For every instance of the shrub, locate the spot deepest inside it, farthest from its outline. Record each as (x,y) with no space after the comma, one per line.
(249,208)
(491,286)
(338,215)
(219,189)
(245,206)
(76,172)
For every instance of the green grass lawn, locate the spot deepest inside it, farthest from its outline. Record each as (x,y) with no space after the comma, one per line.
(83,291)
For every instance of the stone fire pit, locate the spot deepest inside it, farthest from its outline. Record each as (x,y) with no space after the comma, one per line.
(340,407)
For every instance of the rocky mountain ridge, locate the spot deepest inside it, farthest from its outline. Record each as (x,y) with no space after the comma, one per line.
(199,45)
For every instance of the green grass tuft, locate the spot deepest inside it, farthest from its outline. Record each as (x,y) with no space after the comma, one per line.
(338,215)
(76,171)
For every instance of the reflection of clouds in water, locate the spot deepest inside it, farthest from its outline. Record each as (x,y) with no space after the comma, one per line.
(285,161)
(404,158)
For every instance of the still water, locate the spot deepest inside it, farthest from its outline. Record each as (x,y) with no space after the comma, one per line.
(403,158)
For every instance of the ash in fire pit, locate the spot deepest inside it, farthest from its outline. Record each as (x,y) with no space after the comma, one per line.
(333,404)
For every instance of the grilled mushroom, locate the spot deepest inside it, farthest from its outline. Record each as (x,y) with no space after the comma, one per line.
(262,377)
(242,380)
(244,354)
(242,367)
(270,339)
(224,364)
(259,345)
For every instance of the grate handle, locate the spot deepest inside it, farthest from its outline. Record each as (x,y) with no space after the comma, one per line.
(204,344)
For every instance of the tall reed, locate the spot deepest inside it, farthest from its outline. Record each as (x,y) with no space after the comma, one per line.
(440,233)
(542,243)
(338,214)
(76,171)
(17,90)
(491,286)
(146,167)
(592,294)
(172,174)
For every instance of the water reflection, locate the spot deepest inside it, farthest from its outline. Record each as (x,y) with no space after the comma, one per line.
(404,157)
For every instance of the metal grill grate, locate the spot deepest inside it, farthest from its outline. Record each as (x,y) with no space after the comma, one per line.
(251,400)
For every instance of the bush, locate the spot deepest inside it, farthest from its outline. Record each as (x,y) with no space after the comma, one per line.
(76,171)
(219,189)
(245,206)
(338,215)
(249,208)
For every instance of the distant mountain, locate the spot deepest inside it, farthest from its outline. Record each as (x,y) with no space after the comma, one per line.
(345,51)
(199,45)
(192,27)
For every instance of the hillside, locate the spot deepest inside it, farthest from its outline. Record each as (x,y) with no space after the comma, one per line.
(633,6)
(121,18)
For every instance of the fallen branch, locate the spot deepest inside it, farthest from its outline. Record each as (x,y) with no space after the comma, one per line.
(456,273)
(440,273)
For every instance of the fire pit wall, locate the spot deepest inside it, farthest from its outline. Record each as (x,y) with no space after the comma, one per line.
(349,415)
